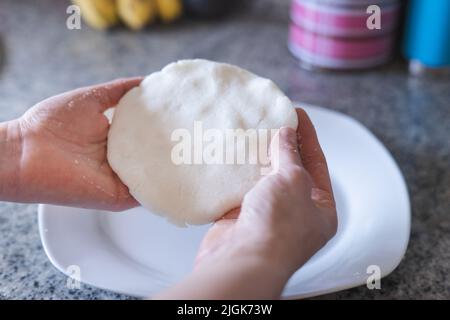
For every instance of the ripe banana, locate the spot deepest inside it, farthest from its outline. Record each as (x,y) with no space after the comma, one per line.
(136,13)
(169,10)
(99,14)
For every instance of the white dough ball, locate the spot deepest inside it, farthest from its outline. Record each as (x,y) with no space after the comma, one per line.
(152,124)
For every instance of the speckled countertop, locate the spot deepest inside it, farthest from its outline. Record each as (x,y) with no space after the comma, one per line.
(410,116)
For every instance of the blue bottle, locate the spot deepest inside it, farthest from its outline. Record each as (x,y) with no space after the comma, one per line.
(427,35)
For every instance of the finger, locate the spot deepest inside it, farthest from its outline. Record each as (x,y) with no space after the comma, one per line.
(311,153)
(284,149)
(111,92)
(105,95)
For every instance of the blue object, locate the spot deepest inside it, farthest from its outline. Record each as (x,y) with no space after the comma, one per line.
(427,33)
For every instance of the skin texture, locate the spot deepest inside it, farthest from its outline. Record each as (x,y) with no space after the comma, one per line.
(62,153)
(56,153)
(283,221)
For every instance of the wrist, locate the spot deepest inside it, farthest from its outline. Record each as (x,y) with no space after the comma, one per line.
(10,151)
(261,259)
(270,255)
(245,272)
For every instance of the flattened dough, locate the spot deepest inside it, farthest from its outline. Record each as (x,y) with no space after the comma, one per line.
(221,96)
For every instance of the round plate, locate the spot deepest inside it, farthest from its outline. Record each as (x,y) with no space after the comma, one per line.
(138,253)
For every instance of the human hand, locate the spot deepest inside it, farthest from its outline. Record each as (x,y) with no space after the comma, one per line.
(62,158)
(288,215)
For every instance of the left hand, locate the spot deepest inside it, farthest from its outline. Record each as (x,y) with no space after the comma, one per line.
(63,150)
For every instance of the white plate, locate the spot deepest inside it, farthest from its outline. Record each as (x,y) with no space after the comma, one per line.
(139,254)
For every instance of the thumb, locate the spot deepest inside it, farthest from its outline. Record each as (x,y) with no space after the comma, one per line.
(284,149)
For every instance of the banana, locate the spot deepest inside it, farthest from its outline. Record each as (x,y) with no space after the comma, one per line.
(169,10)
(136,13)
(99,14)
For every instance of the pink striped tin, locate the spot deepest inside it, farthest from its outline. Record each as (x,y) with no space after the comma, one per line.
(339,53)
(331,19)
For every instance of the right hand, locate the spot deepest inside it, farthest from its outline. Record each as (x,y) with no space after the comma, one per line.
(289,215)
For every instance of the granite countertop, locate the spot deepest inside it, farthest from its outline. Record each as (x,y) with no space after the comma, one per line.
(410,116)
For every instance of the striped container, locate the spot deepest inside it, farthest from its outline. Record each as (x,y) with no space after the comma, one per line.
(333,34)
